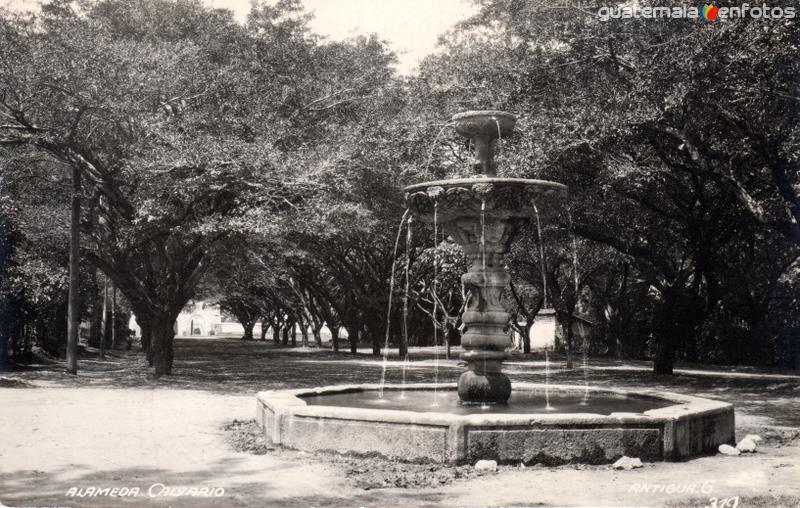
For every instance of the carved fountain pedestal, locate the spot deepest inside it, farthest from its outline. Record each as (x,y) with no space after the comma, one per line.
(486,322)
(482,214)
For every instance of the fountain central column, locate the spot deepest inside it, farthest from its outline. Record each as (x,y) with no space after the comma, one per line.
(486,322)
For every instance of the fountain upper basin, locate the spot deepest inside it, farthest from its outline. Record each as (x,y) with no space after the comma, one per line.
(483,214)
(501,198)
(682,427)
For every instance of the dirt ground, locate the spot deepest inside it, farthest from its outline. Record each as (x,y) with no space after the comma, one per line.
(113,426)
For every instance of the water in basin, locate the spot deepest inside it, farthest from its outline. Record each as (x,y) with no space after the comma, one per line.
(521,402)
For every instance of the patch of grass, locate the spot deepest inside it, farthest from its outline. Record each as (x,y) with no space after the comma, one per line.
(370,473)
(781,436)
(245,436)
(6,382)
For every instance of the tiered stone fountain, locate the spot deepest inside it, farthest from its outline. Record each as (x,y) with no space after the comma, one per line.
(482,214)
(486,420)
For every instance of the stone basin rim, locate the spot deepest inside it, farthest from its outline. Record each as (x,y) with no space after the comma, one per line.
(461,182)
(291,400)
(691,427)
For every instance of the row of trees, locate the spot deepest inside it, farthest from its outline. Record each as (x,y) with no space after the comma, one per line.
(262,166)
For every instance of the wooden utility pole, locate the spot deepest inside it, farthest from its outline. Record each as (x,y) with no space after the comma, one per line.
(113,315)
(73,303)
(104,319)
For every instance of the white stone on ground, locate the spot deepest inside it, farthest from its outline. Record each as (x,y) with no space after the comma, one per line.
(728,450)
(747,444)
(486,465)
(755,437)
(627,463)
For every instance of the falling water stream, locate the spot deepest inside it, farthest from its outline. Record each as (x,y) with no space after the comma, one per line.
(433,146)
(389,306)
(585,362)
(547,381)
(541,256)
(405,369)
(483,250)
(499,136)
(544,306)
(585,400)
(483,236)
(435,303)
(409,237)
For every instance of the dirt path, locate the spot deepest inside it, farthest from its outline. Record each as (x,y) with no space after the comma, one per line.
(81,438)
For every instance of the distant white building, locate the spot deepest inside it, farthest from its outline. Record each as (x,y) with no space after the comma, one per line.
(549,330)
(542,334)
(201,319)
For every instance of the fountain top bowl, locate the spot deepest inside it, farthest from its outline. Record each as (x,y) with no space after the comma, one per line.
(490,124)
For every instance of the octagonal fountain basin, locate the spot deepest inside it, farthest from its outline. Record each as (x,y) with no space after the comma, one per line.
(416,424)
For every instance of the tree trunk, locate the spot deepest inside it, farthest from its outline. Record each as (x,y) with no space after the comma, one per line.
(568,337)
(663,349)
(264,327)
(665,327)
(453,336)
(276,333)
(27,344)
(74,274)
(5,327)
(293,336)
(334,337)
(163,335)
(369,335)
(104,321)
(147,340)
(526,338)
(248,330)
(95,312)
(664,357)
(287,327)
(352,338)
(316,331)
(114,335)
(5,364)
(303,332)
(402,344)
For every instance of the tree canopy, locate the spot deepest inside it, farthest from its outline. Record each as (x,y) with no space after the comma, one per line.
(261,166)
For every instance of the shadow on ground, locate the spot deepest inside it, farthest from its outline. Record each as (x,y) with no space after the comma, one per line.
(161,487)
